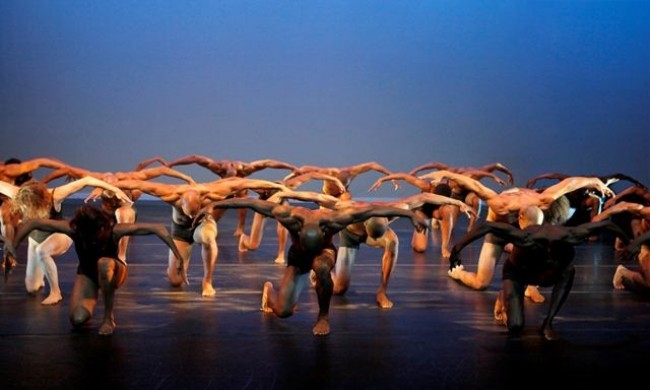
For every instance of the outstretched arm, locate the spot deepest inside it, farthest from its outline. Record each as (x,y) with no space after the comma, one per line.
(580,233)
(305,196)
(72,173)
(418,200)
(63,192)
(258,165)
(501,168)
(166,192)
(464,181)
(545,176)
(620,207)
(480,174)
(142,165)
(15,170)
(499,229)
(360,213)
(141,229)
(358,169)
(230,185)
(614,177)
(263,207)
(427,166)
(423,185)
(152,173)
(297,181)
(48,225)
(571,184)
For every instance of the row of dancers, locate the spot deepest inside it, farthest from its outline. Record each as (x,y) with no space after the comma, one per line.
(537,227)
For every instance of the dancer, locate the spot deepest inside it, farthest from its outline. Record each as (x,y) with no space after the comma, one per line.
(374,232)
(312,247)
(186,201)
(446,216)
(503,207)
(123,212)
(35,200)
(542,255)
(96,235)
(232,168)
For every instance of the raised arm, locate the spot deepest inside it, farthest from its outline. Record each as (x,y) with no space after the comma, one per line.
(464,181)
(73,173)
(422,184)
(15,170)
(501,168)
(166,192)
(427,166)
(143,164)
(358,213)
(614,177)
(545,176)
(480,174)
(63,192)
(358,169)
(230,185)
(299,180)
(631,193)
(258,165)
(152,173)
(620,207)
(571,184)
(263,207)
(305,196)
(418,200)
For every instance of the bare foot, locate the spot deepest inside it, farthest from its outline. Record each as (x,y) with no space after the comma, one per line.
(268,287)
(238,232)
(208,290)
(52,299)
(383,301)
(548,332)
(322,327)
(279,260)
(445,253)
(618,278)
(242,245)
(454,273)
(500,314)
(9,263)
(107,328)
(532,292)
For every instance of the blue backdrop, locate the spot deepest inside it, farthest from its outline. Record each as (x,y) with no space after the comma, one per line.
(559,86)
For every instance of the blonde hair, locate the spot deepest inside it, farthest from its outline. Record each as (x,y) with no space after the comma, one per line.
(33,200)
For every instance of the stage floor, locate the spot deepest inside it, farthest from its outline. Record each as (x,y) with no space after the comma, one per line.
(439,334)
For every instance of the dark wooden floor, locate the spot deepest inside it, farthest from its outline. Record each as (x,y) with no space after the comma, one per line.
(439,334)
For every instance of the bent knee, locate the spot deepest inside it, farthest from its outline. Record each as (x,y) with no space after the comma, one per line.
(79,316)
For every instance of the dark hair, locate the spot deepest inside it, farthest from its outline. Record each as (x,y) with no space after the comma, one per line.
(442,189)
(21,179)
(88,221)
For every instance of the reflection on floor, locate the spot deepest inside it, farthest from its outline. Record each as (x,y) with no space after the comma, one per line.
(439,334)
